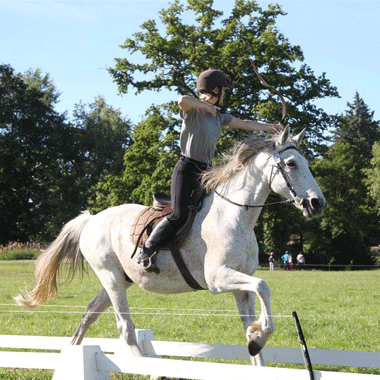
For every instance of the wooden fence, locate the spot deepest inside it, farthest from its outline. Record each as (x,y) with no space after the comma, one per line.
(96,357)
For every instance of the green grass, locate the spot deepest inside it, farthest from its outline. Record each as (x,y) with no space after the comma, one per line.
(337,310)
(19,254)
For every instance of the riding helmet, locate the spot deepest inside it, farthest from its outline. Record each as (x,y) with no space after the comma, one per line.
(210,79)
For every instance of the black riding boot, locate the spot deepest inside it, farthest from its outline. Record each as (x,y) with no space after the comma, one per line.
(159,236)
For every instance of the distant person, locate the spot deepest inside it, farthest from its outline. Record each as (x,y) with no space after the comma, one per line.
(271,261)
(300,260)
(290,262)
(285,260)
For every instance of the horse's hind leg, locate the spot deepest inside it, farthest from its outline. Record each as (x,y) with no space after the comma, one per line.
(246,305)
(116,284)
(100,303)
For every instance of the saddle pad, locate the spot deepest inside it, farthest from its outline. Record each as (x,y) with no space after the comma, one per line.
(149,215)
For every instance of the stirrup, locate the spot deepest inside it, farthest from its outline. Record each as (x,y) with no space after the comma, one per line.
(148,264)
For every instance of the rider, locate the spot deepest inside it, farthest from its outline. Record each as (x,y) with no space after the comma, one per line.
(201,128)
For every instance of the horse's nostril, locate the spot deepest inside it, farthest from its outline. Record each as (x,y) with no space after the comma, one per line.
(316,204)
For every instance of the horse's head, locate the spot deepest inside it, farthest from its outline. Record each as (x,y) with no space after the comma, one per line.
(278,162)
(289,175)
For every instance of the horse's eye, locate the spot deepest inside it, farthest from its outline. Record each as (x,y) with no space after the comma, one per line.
(291,164)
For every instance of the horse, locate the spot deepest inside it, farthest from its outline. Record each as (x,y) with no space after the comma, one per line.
(220,250)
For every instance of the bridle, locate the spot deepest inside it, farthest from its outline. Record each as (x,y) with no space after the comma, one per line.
(277,163)
(276,158)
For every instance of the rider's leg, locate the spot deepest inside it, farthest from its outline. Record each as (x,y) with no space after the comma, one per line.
(184,182)
(159,236)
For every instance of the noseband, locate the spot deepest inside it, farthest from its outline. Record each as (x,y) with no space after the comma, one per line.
(276,159)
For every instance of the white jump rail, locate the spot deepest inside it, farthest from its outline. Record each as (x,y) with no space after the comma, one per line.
(96,357)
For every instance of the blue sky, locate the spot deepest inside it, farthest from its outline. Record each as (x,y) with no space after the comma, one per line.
(75,41)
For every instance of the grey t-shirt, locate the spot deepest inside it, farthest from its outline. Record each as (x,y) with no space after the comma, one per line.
(200,133)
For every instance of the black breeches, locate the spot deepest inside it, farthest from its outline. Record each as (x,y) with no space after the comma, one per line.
(185,180)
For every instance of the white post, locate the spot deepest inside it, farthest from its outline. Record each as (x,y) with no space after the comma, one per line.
(144,339)
(79,363)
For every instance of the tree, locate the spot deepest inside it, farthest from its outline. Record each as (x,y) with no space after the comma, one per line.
(148,162)
(103,136)
(93,148)
(36,80)
(349,225)
(173,61)
(373,175)
(32,149)
(276,225)
(48,167)
(358,129)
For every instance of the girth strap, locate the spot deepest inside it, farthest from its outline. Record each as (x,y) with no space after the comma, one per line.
(182,267)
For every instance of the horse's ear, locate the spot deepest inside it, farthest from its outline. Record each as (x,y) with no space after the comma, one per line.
(297,139)
(284,135)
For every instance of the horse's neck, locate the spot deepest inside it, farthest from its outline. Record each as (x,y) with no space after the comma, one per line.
(243,191)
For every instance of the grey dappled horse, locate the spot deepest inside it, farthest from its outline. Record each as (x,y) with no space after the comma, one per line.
(220,250)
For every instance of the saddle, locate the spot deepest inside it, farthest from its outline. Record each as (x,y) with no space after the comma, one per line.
(147,219)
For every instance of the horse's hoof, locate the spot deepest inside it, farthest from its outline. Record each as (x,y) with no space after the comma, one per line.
(254,348)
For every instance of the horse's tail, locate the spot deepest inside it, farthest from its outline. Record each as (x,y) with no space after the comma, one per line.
(64,248)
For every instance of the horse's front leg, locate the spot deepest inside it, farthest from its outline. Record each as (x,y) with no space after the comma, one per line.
(246,305)
(229,280)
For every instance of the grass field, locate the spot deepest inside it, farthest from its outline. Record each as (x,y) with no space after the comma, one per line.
(337,310)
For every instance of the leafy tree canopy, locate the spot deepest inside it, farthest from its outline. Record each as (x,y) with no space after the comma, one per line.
(347,227)
(148,162)
(175,53)
(103,136)
(32,148)
(48,167)
(373,175)
(36,80)
(358,129)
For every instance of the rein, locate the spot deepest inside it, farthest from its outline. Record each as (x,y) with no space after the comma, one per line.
(252,206)
(277,160)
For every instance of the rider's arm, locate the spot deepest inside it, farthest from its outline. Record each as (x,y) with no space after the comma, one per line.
(252,125)
(187,103)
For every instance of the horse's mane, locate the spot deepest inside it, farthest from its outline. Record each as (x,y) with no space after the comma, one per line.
(236,161)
